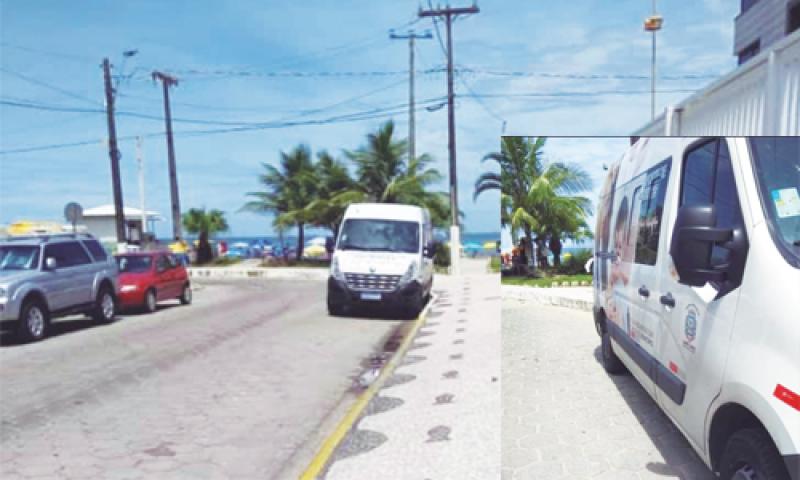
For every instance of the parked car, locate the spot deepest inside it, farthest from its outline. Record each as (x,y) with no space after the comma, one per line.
(55,275)
(696,282)
(384,256)
(146,278)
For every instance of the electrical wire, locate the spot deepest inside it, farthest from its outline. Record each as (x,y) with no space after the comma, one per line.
(48,86)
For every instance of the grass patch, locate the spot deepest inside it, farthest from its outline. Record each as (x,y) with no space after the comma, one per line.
(223,262)
(547,281)
(494,264)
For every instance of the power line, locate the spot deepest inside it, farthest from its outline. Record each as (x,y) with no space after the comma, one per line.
(67,56)
(48,86)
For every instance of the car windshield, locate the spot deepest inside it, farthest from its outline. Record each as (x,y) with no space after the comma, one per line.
(777,165)
(379,235)
(134,263)
(19,257)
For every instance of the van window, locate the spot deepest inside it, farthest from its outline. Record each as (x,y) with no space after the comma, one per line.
(379,235)
(708,179)
(651,208)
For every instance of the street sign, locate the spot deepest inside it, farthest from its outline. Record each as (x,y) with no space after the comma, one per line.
(73,212)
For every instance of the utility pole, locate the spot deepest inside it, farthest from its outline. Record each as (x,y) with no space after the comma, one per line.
(653,24)
(168,81)
(449,14)
(411,36)
(113,152)
(140,162)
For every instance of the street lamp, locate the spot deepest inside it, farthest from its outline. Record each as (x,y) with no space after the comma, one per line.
(653,24)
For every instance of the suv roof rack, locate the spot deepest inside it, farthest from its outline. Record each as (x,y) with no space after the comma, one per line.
(46,237)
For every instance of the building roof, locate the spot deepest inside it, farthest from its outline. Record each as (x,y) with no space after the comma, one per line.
(130,212)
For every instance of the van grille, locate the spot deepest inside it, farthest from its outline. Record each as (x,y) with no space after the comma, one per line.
(363,281)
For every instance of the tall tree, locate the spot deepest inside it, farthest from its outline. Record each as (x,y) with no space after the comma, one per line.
(289,189)
(385,174)
(204,224)
(539,196)
(332,178)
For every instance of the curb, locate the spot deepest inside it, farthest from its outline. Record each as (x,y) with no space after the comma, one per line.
(260,272)
(323,456)
(540,295)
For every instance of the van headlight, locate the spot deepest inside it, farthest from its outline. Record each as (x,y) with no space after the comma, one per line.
(335,271)
(410,274)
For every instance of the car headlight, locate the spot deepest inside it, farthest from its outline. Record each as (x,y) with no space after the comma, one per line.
(410,274)
(128,288)
(335,271)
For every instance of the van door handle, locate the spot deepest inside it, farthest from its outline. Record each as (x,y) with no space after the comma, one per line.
(667,300)
(643,291)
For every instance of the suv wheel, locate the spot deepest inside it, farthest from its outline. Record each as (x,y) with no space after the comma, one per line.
(186,296)
(750,454)
(150,301)
(33,321)
(105,306)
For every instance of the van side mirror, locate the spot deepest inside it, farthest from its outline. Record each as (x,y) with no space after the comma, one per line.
(693,237)
(50,263)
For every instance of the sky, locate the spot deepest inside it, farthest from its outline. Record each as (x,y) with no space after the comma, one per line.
(581,68)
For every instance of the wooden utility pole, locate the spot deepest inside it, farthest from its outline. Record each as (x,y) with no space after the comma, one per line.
(411,36)
(113,152)
(449,14)
(168,81)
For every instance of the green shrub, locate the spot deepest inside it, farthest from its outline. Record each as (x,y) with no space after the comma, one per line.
(575,263)
(441,255)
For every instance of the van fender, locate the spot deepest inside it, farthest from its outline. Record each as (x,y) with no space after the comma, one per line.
(736,401)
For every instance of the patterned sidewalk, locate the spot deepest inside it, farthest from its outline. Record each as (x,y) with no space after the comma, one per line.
(438,415)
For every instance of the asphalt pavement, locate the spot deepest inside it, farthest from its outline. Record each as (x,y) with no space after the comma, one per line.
(564,417)
(240,384)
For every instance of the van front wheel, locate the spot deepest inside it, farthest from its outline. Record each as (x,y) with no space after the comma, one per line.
(611,363)
(750,453)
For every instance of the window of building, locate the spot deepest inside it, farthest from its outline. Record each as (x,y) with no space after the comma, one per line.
(749,51)
(793,17)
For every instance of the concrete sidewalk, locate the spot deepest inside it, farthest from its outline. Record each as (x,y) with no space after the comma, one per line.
(579,298)
(437,416)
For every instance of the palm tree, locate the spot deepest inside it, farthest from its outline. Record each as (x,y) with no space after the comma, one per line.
(205,223)
(385,174)
(332,178)
(538,196)
(288,191)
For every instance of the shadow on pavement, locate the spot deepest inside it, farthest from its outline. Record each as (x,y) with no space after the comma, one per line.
(681,460)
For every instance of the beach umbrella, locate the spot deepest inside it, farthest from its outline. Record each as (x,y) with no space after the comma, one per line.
(317,241)
(314,251)
(490,245)
(472,247)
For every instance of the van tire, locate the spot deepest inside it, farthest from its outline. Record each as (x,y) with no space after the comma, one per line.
(415,306)
(335,309)
(33,330)
(611,363)
(752,449)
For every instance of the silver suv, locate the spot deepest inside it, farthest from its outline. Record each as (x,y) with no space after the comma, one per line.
(55,275)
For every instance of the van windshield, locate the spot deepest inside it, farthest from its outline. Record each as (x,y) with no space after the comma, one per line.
(777,166)
(379,236)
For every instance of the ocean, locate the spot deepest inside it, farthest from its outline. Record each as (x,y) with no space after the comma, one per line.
(291,240)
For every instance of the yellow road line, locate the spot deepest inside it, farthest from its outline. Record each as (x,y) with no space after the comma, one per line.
(323,456)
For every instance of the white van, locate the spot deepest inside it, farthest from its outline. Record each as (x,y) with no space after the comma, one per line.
(697,293)
(384,256)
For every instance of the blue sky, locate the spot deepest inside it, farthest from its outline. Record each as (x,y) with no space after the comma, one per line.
(62,43)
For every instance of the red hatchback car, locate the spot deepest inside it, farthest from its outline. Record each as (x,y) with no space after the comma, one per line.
(146,278)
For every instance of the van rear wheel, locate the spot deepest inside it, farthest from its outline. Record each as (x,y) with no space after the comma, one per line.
(751,454)
(611,363)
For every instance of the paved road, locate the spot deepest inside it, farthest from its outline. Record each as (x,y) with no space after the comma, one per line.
(563,417)
(237,385)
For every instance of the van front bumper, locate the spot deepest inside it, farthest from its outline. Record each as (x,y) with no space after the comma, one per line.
(341,295)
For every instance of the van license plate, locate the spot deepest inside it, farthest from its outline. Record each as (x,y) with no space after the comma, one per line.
(370,296)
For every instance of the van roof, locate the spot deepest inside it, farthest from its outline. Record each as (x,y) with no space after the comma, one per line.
(389,211)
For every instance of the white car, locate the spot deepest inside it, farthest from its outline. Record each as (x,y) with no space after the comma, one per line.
(383,256)
(697,293)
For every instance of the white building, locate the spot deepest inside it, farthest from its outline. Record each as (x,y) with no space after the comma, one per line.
(101,222)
